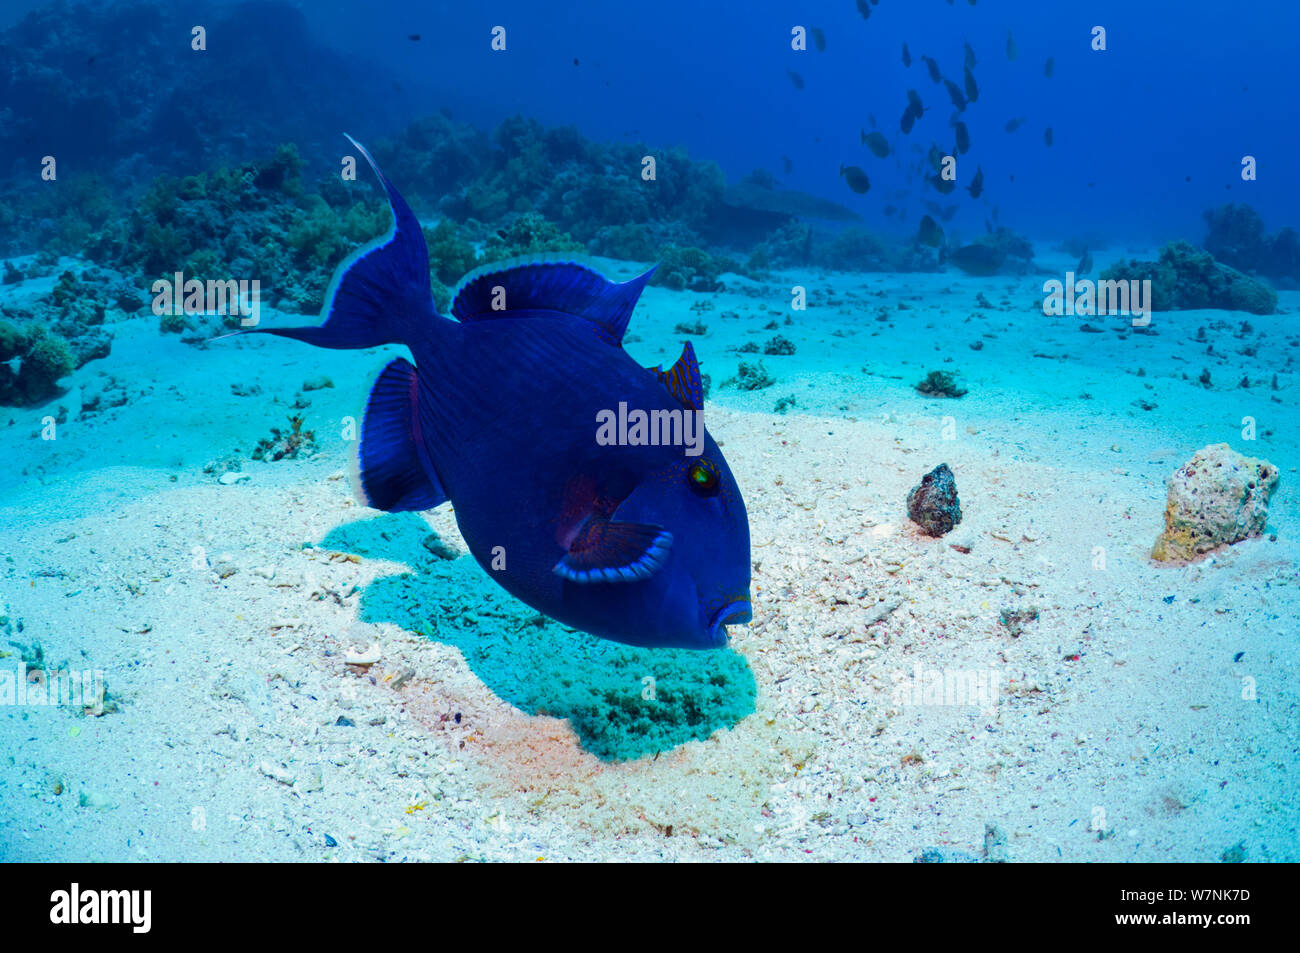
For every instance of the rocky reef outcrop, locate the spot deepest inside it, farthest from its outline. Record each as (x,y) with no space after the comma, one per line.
(1186,279)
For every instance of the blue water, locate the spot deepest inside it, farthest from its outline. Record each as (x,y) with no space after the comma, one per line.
(1183,89)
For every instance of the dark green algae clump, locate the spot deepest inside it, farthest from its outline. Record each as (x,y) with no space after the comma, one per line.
(623,702)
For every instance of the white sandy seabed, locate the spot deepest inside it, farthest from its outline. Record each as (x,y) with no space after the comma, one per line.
(1149,713)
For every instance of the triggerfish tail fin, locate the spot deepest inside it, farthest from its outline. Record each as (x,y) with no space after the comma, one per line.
(522,287)
(381,294)
(390,470)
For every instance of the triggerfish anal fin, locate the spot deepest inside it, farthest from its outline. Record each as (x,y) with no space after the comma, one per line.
(683,379)
(614,551)
(381,294)
(522,287)
(390,472)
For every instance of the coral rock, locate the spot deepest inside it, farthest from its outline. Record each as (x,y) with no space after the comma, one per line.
(933,504)
(1217,498)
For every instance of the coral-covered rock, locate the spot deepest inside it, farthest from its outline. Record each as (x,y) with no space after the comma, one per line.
(529,234)
(1237,237)
(451,257)
(693,268)
(43,359)
(1217,498)
(940,384)
(933,504)
(1186,278)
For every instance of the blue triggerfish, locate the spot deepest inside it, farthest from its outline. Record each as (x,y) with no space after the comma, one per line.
(585,484)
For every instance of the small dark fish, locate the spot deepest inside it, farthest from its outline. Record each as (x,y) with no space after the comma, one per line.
(970,57)
(909,117)
(976,186)
(795,78)
(907,57)
(819,38)
(1085,263)
(1013,124)
(972,91)
(929,233)
(954,93)
(941,185)
(933,67)
(1047,135)
(963,138)
(914,100)
(935,156)
(1011,47)
(864,8)
(890,210)
(877,143)
(856,178)
(948,212)
(787,164)
(1049,67)
(414,38)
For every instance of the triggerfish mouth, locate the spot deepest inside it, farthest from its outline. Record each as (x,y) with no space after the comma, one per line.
(585,484)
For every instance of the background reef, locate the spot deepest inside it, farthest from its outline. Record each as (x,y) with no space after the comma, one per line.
(229,169)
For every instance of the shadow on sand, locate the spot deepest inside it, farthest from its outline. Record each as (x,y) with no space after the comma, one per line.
(622,702)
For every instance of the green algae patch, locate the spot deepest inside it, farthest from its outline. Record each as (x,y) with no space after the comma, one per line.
(622,702)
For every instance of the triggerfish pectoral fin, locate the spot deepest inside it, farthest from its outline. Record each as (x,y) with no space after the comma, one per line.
(390,472)
(382,294)
(615,551)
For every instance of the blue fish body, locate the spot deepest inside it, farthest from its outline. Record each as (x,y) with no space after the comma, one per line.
(518,413)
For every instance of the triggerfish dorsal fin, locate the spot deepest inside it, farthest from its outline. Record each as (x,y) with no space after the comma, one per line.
(614,551)
(683,379)
(381,294)
(390,473)
(522,287)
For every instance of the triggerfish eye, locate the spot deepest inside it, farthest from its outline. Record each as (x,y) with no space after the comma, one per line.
(703,478)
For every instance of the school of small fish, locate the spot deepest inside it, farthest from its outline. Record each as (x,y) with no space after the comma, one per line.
(938,169)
